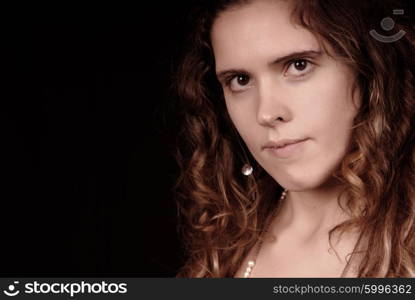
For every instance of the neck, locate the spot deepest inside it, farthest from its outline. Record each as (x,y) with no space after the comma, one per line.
(309,213)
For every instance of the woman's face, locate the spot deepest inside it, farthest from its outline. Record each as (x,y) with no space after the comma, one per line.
(278,84)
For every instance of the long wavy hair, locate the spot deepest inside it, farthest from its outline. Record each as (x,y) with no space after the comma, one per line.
(223,213)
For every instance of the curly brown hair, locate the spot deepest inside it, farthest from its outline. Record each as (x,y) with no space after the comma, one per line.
(222,213)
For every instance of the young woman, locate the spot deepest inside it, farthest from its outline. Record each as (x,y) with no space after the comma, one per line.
(297,141)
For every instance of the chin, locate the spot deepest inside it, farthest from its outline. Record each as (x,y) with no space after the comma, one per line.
(302,182)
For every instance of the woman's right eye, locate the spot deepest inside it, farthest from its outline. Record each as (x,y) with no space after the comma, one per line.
(237,83)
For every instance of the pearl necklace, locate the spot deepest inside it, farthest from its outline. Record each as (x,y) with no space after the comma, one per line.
(251,263)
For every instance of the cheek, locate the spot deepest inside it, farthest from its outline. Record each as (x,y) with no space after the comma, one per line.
(330,129)
(243,118)
(332,111)
(328,123)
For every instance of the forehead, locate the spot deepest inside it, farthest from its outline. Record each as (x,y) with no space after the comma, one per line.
(262,30)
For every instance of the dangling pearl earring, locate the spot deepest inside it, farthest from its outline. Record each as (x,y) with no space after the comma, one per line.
(247,169)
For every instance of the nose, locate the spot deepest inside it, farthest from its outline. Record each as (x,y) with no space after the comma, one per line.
(272,108)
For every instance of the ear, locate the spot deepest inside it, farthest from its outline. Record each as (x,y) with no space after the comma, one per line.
(356,95)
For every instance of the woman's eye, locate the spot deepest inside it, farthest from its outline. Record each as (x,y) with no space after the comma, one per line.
(298,67)
(238,83)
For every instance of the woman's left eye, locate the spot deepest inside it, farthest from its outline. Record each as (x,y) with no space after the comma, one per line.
(298,67)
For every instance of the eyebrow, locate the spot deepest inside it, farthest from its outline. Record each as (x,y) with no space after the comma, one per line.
(309,53)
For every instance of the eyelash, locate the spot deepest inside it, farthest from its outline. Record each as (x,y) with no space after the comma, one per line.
(229,79)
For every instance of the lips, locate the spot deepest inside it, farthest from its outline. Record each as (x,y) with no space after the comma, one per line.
(285,148)
(281,143)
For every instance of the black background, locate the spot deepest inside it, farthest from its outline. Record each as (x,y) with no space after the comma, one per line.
(87,171)
(87,174)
